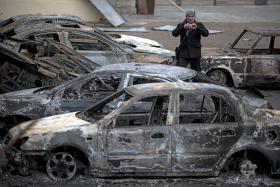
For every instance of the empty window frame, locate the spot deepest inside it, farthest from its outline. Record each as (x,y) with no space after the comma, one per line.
(96,88)
(202,108)
(145,112)
(85,42)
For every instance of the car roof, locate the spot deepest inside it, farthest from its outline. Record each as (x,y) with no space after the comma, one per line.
(149,68)
(44,15)
(169,87)
(180,73)
(264,31)
(58,28)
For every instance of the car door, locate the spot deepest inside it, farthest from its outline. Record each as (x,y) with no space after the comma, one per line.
(96,48)
(263,70)
(82,95)
(140,140)
(206,128)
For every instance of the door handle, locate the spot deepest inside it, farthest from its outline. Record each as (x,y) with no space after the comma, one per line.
(228,132)
(157,135)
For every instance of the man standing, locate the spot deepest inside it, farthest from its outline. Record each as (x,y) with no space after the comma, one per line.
(189,50)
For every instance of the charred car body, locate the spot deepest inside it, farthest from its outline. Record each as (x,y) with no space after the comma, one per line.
(86,90)
(44,63)
(95,46)
(253,59)
(90,41)
(19,23)
(158,129)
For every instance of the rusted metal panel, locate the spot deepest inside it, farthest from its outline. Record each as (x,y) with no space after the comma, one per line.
(135,149)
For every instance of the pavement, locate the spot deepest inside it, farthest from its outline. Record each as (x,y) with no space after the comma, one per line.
(40,179)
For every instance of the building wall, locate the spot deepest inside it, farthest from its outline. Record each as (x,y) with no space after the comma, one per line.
(81,8)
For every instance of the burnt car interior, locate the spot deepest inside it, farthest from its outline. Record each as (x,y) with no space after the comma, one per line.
(44,63)
(193,108)
(80,41)
(96,89)
(46,48)
(14,73)
(109,104)
(200,108)
(84,42)
(145,112)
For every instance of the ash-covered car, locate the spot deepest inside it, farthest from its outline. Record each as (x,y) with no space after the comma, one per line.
(35,64)
(86,90)
(253,59)
(157,129)
(94,44)
(16,24)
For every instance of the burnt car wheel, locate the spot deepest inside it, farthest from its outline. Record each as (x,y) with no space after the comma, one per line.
(247,168)
(61,166)
(248,163)
(218,75)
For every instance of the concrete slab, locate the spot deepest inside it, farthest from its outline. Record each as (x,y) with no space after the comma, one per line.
(109,12)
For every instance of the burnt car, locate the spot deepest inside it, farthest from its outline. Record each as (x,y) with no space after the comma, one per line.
(16,24)
(157,129)
(253,59)
(94,44)
(86,90)
(35,64)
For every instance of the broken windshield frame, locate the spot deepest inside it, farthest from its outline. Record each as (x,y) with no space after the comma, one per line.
(106,106)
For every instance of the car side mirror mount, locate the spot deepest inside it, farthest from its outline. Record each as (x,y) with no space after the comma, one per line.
(111,124)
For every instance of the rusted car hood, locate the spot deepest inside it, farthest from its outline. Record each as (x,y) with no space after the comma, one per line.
(49,124)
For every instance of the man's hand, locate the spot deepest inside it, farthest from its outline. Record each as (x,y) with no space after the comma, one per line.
(187,26)
(194,26)
(190,26)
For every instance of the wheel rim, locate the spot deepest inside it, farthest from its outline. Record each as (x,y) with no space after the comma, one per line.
(248,168)
(219,76)
(61,166)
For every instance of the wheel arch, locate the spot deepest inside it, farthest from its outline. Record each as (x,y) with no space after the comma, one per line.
(243,149)
(83,157)
(227,71)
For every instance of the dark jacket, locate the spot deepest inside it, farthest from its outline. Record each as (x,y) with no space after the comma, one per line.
(190,45)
